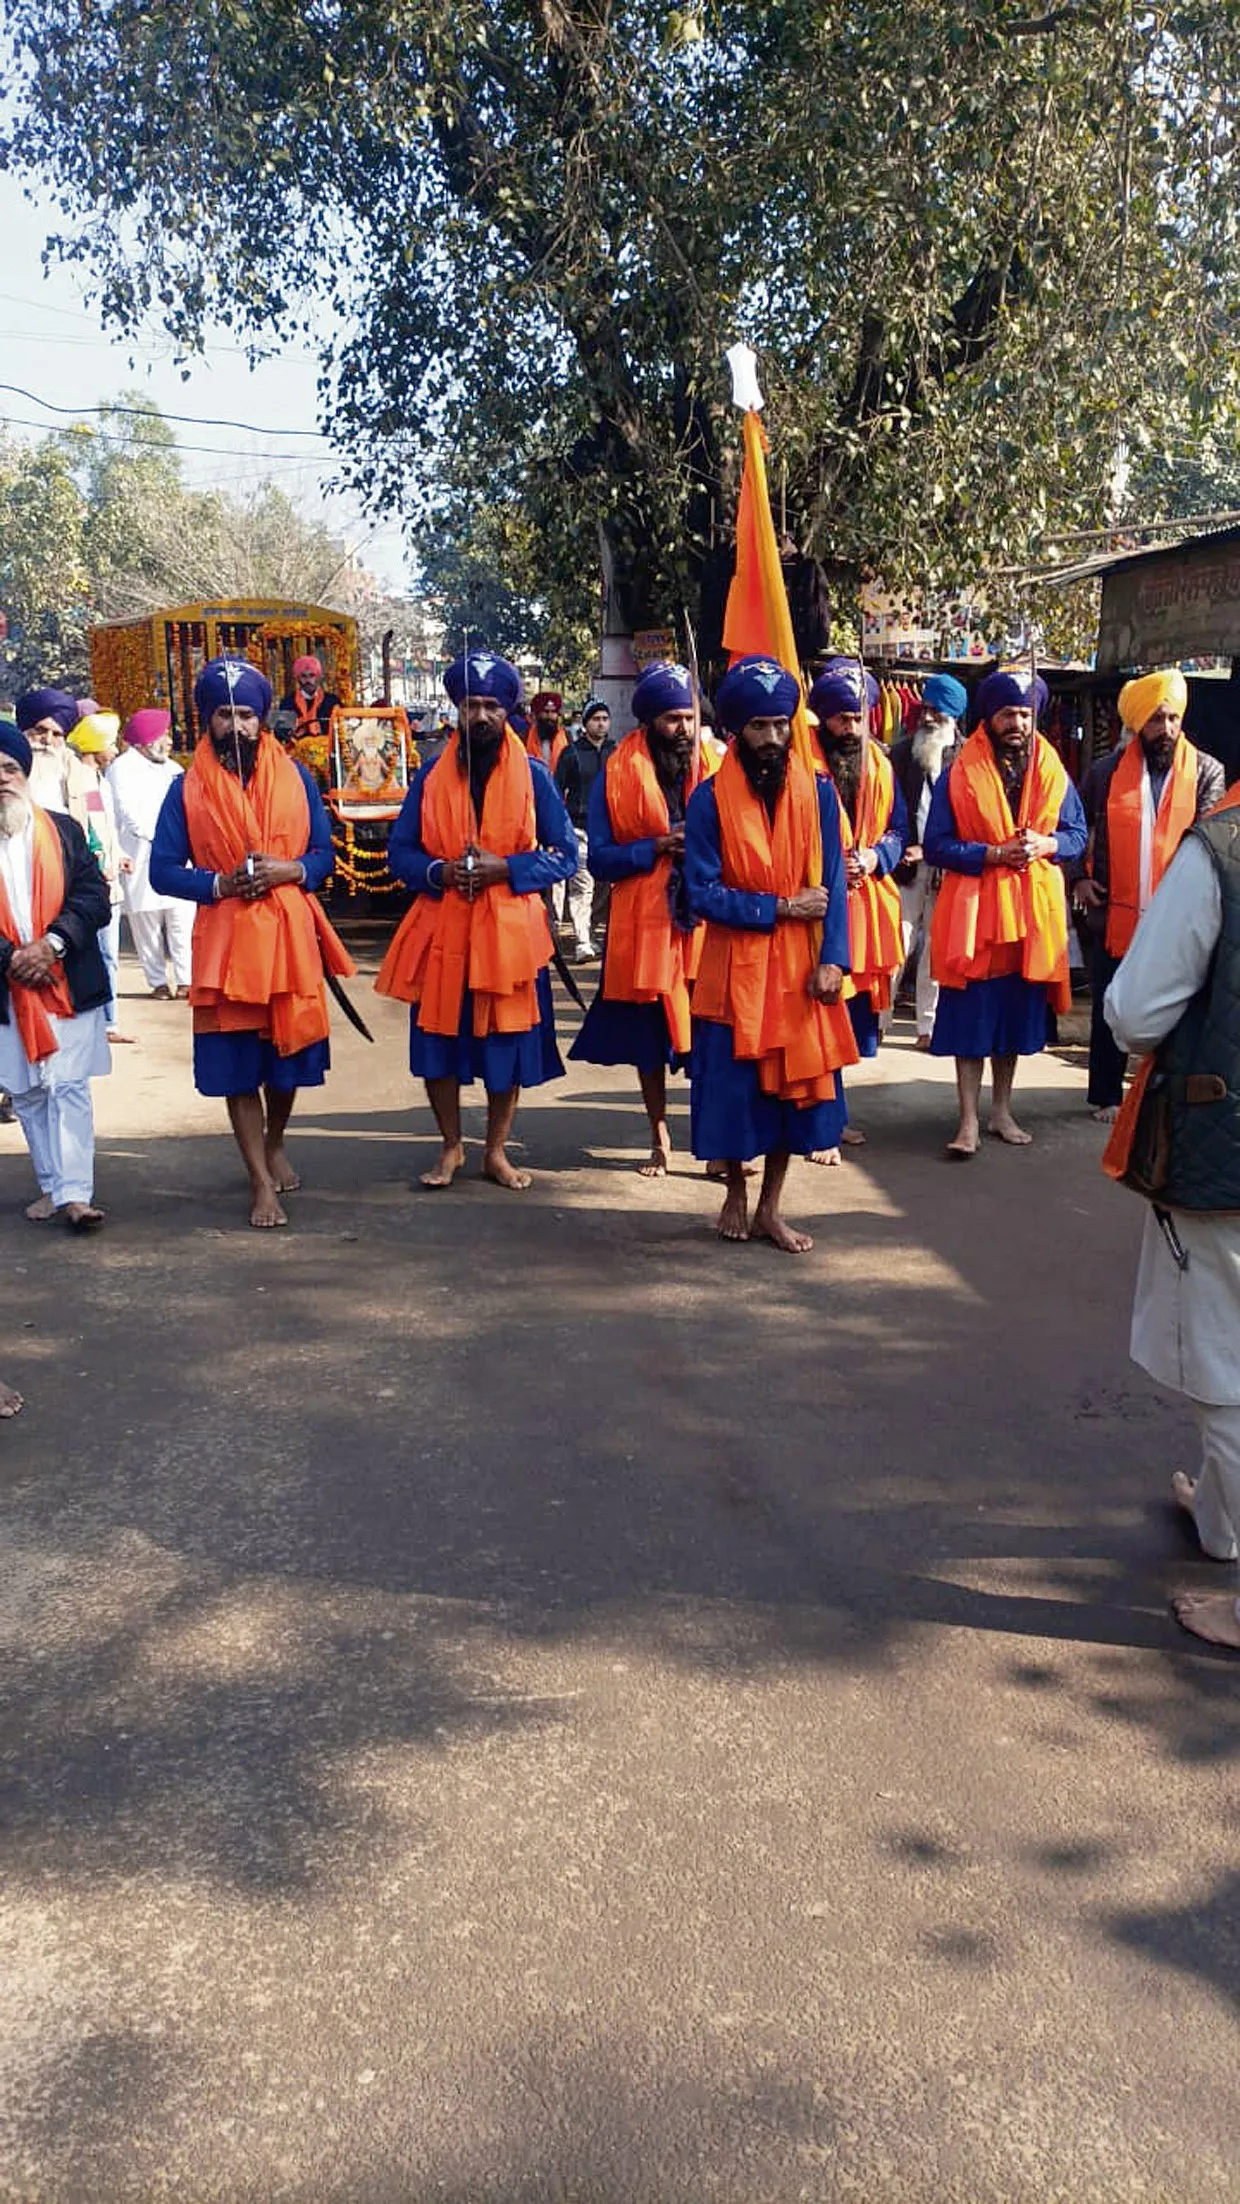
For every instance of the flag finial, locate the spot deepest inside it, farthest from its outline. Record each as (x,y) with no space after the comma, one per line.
(743,361)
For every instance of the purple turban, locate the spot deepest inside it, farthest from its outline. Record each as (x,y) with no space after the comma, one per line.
(231,681)
(483,674)
(756,688)
(944,694)
(14,745)
(1010,685)
(662,688)
(842,686)
(39,704)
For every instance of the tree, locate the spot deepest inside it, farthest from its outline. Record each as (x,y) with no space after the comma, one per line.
(44,585)
(960,235)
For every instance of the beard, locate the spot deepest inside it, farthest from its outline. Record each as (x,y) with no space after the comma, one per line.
(765,774)
(228,748)
(1011,754)
(14,812)
(1160,755)
(480,743)
(930,747)
(671,760)
(846,757)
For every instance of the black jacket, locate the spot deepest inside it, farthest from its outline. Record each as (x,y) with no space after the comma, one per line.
(577,772)
(1096,788)
(87,907)
(911,780)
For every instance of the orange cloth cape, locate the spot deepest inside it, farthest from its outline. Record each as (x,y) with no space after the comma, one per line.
(1177,810)
(979,917)
(648,959)
(258,966)
(759,983)
(496,945)
(875,931)
(47,900)
(559,744)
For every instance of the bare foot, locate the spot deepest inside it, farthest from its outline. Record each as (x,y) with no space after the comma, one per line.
(829,1157)
(852,1138)
(769,1225)
(447,1167)
(965,1145)
(161,994)
(734,1216)
(283,1177)
(1105,1116)
(922,1042)
(11,1402)
(655,1166)
(121,1040)
(1209,1615)
(719,1170)
(82,1216)
(266,1213)
(501,1172)
(1007,1130)
(39,1211)
(1183,1492)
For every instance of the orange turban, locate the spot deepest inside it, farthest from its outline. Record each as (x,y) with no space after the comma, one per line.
(1139,700)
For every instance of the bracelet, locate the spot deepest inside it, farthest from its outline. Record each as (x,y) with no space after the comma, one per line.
(441,862)
(215,886)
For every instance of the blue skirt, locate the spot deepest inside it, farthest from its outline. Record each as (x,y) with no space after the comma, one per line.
(1002,1017)
(864,1017)
(501,1060)
(731,1118)
(241,1063)
(626,1033)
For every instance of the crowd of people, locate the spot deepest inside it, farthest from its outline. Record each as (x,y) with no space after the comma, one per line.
(758,898)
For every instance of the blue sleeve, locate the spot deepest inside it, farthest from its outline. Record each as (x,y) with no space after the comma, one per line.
(609,859)
(1072,832)
(708,897)
(942,845)
(172,872)
(890,848)
(530,871)
(407,860)
(835,931)
(320,858)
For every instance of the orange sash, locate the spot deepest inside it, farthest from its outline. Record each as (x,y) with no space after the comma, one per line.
(31,1005)
(875,932)
(1177,810)
(307,713)
(258,965)
(559,744)
(498,944)
(648,959)
(759,983)
(979,916)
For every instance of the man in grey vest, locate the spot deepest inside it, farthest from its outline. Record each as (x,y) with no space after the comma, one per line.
(1177,993)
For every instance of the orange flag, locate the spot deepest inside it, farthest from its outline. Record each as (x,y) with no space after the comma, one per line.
(757,619)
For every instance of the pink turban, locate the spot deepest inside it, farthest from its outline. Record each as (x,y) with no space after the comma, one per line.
(146,727)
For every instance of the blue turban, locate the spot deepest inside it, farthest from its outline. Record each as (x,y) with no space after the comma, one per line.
(1010,685)
(943,694)
(231,681)
(662,688)
(756,688)
(483,674)
(14,745)
(39,704)
(842,686)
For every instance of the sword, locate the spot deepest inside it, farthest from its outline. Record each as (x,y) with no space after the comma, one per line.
(353,1015)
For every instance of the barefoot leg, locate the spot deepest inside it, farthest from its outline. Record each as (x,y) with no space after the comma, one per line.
(279,1107)
(852,1137)
(39,1211)
(1214,1616)
(10,1400)
(654,1095)
(767,1222)
(245,1113)
(501,1110)
(969,1091)
(444,1096)
(1003,1125)
(734,1216)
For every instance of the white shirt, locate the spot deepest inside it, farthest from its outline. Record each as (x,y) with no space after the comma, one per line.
(138,787)
(82,1051)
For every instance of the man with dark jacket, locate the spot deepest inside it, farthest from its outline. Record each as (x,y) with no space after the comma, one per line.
(575,775)
(1139,802)
(53,989)
(917,761)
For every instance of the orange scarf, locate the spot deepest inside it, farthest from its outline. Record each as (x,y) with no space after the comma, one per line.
(47,900)
(258,965)
(498,944)
(307,713)
(979,915)
(559,744)
(759,983)
(648,959)
(875,932)
(1177,810)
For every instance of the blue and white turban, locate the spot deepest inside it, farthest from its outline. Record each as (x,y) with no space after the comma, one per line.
(482,673)
(842,686)
(1010,685)
(231,681)
(756,688)
(663,687)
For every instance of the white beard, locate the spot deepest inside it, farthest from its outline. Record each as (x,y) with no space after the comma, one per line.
(14,812)
(930,747)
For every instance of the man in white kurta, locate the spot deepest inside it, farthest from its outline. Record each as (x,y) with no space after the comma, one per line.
(162,927)
(1186,1313)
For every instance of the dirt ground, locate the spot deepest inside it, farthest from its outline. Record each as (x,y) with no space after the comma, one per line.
(507,1699)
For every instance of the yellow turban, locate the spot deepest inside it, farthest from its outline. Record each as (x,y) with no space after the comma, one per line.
(98,731)
(1139,700)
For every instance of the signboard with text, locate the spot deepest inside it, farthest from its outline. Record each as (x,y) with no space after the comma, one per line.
(1175,604)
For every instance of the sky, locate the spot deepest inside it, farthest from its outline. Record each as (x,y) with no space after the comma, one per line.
(54,346)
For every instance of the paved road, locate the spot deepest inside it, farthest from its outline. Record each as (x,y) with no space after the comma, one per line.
(509,1700)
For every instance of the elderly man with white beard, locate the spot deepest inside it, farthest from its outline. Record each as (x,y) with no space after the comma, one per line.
(917,761)
(53,989)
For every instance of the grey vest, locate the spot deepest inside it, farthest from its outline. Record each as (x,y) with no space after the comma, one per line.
(1199,1062)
